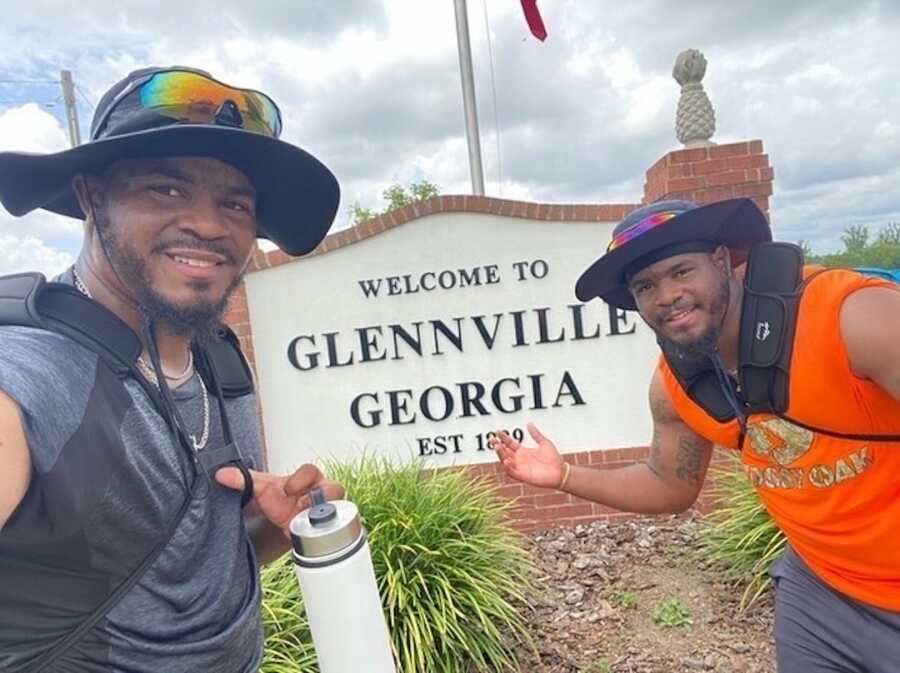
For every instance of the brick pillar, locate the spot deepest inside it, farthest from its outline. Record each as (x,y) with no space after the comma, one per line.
(705,175)
(237,317)
(715,173)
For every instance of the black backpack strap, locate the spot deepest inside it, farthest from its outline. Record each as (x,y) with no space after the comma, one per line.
(698,379)
(772,289)
(72,638)
(28,300)
(18,294)
(225,359)
(229,367)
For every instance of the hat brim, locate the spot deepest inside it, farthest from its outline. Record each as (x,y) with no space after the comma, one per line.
(298,195)
(734,223)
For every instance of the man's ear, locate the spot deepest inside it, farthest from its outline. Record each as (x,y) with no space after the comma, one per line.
(722,258)
(89,192)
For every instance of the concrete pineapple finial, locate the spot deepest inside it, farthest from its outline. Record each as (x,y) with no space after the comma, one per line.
(695,121)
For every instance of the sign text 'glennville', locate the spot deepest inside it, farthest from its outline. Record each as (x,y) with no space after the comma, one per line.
(519,327)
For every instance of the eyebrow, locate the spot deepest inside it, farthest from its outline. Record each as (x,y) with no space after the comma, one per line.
(636,280)
(242,191)
(156,170)
(677,266)
(175,174)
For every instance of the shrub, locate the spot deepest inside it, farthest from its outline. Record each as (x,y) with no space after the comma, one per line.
(288,644)
(452,573)
(739,535)
(624,599)
(672,613)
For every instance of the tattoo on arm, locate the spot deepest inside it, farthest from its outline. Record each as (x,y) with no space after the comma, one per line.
(661,413)
(655,454)
(689,457)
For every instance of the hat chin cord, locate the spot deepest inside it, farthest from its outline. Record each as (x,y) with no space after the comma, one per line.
(718,366)
(148,327)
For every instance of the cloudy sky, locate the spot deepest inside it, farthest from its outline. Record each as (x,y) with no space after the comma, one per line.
(372,88)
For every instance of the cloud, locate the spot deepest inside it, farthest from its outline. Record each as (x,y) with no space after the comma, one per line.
(31,254)
(29,128)
(373,89)
(200,20)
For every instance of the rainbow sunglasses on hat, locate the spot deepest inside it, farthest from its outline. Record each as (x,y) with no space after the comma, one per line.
(190,97)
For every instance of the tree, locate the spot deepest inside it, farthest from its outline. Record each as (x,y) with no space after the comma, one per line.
(397,196)
(883,252)
(360,214)
(807,250)
(890,235)
(855,238)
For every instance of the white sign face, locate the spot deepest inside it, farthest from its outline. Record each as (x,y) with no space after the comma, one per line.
(424,339)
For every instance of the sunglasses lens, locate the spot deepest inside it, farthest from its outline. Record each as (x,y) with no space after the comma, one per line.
(192,98)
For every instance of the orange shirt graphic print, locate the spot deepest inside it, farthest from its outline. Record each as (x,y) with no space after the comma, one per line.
(780,440)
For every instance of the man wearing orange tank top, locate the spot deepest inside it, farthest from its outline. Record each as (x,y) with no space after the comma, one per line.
(823,450)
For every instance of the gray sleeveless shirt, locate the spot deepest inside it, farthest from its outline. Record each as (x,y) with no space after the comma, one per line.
(107,478)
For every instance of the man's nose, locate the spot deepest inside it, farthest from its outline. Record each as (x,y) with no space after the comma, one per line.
(668,292)
(204,218)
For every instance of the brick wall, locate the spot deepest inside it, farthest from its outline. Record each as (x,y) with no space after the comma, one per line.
(702,175)
(539,508)
(716,173)
(237,315)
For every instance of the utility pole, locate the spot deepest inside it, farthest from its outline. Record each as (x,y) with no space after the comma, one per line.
(468,87)
(68,90)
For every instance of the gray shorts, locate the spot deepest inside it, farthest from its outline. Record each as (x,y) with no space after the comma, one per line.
(819,630)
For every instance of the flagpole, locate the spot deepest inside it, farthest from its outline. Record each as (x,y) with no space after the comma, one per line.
(468,88)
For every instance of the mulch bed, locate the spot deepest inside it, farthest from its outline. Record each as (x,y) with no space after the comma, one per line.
(603,588)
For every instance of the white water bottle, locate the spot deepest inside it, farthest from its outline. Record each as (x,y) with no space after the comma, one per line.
(334,568)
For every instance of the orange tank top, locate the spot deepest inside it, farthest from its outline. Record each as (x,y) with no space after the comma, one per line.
(837,500)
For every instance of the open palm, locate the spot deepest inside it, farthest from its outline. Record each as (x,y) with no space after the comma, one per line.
(539,465)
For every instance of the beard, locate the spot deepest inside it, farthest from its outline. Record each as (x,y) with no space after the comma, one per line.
(199,321)
(707,344)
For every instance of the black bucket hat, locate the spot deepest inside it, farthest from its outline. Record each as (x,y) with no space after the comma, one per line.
(667,228)
(298,195)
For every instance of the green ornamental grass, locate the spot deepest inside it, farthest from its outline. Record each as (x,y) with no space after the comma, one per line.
(739,535)
(288,644)
(453,575)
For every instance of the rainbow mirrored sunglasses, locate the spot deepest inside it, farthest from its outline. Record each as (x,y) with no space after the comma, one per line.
(642,227)
(188,97)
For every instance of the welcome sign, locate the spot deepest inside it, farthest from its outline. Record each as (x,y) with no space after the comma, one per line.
(424,339)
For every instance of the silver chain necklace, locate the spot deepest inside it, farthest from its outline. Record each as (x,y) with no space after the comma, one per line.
(150,375)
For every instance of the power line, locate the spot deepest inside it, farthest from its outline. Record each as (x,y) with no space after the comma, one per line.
(29,81)
(23,101)
(84,97)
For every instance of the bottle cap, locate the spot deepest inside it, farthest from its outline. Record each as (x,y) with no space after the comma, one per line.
(326,528)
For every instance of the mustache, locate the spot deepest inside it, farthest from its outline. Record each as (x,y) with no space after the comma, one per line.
(678,308)
(194,243)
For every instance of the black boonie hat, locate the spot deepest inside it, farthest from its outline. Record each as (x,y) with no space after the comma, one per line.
(642,237)
(298,195)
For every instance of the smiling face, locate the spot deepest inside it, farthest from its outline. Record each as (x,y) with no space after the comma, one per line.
(178,232)
(685,298)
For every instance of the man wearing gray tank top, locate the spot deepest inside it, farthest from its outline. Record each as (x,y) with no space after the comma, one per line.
(102,472)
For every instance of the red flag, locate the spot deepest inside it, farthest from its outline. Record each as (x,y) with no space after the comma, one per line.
(533,17)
